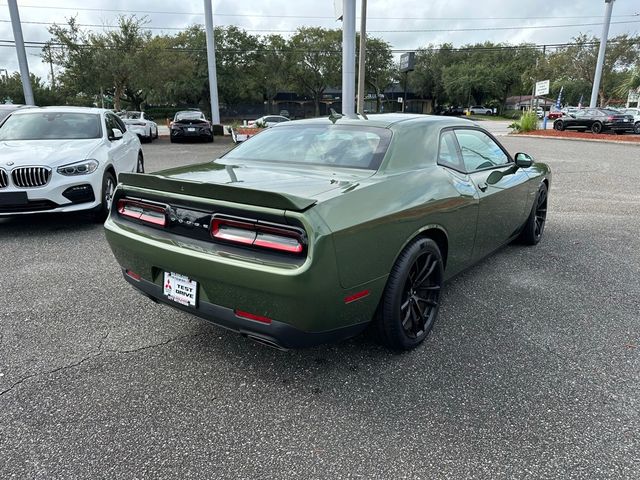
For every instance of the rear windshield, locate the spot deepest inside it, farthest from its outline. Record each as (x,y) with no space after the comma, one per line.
(189,116)
(337,145)
(50,126)
(131,115)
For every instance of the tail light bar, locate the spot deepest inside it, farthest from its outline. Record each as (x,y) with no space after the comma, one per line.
(151,213)
(270,236)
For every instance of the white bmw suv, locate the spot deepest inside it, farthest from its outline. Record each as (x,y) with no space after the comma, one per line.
(63,159)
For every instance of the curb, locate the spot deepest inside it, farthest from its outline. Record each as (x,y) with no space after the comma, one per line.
(572,139)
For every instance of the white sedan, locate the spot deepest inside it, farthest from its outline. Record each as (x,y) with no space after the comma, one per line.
(63,159)
(141,125)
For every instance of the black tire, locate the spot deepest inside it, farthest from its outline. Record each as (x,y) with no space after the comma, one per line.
(140,163)
(596,127)
(172,140)
(210,139)
(106,196)
(489,112)
(558,125)
(636,127)
(534,227)
(411,299)
(156,134)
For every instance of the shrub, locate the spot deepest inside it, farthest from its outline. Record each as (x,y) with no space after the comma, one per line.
(527,123)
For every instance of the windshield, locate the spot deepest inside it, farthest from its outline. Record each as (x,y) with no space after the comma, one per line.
(50,126)
(132,115)
(338,145)
(189,116)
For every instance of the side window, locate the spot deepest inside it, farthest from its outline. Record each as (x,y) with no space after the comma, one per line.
(479,150)
(448,155)
(121,124)
(113,122)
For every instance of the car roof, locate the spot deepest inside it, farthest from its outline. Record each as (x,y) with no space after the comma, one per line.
(388,120)
(63,109)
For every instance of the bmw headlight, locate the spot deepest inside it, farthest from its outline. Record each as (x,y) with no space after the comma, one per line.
(84,167)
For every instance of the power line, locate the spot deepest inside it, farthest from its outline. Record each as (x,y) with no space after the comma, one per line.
(216,14)
(427,30)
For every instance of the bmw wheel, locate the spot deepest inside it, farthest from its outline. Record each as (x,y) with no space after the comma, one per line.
(636,127)
(558,125)
(108,189)
(140,163)
(596,127)
(411,299)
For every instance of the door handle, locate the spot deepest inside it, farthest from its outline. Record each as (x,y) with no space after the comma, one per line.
(483,186)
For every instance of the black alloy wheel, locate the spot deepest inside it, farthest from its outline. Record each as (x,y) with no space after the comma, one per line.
(596,127)
(558,125)
(636,128)
(411,299)
(534,227)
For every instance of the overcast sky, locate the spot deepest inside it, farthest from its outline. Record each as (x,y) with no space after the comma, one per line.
(405,24)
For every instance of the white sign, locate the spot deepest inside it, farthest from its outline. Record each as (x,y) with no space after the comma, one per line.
(400,99)
(542,88)
(633,96)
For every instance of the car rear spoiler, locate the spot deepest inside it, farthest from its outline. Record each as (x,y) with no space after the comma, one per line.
(218,191)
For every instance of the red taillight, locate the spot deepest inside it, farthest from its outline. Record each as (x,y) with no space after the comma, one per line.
(609,119)
(145,212)
(133,275)
(251,316)
(268,236)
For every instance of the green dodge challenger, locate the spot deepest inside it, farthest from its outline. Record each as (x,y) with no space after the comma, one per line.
(314,230)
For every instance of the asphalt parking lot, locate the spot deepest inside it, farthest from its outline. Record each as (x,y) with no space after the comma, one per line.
(532,371)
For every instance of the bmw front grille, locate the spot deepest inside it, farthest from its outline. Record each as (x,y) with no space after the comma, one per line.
(4,178)
(26,177)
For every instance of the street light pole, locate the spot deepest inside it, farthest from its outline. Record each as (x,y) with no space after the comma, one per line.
(211,60)
(22,55)
(348,56)
(601,52)
(363,51)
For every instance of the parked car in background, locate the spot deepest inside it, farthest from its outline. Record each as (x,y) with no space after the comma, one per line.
(635,112)
(569,110)
(190,125)
(7,108)
(554,114)
(453,111)
(540,112)
(64,159)
(141,125)
(312,230)
(480,110)
(268,120)
(595,119)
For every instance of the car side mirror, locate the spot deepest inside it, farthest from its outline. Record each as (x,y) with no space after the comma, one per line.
(116,134)
(523,160)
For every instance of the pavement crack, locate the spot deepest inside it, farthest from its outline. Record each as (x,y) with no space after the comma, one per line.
(97,354)
(48,372)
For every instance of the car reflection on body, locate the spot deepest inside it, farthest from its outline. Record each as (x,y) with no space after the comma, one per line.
(316,229)
(63,159)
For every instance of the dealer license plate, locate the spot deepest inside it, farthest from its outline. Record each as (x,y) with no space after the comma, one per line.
(191,129)
(180,289)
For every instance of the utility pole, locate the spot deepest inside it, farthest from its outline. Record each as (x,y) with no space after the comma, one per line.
(601,52)
(361,60)
(211,60)
(22,55)
(348,56)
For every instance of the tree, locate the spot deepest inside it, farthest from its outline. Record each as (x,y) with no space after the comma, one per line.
(316,55)
(379,67)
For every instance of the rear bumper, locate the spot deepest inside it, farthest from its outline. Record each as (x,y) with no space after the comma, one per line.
(276,334)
